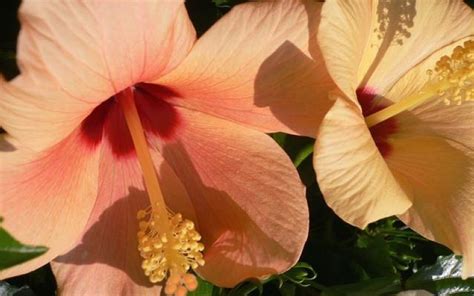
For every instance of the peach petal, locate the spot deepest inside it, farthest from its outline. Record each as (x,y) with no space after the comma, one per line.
(74,55)
(93,49)
(453,122)
(343,35)
(437,175)
(46,198)
(432,159)
(239,181)
(267,74)
(407,40)
(370,43)
(107,253)
(37,116)
(351,172)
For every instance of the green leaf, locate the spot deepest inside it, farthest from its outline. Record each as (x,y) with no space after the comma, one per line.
(227,3)
(442,278)
(280,138)
(374,287)
(12,252)
(373,255)
(7,55)
(304,153)
(396,242)
(220,2)
(298,148)
(8,290)
(245,288)
(204,289)
(301,274)
(288,290)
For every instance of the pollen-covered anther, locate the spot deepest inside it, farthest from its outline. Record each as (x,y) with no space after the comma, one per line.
(179,285)
(456,74)
(169,252)
(451,81)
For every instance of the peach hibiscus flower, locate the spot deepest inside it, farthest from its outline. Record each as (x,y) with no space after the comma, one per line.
(399,139)
(111,92)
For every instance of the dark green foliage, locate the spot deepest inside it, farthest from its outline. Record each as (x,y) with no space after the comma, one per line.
(9,27)
(8,290)
(375,286)
(40,282)
(301,275)
(12,252)
(442,278)
(227,3)
(205,289)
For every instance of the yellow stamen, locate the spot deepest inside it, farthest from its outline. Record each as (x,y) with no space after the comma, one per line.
(452,83)
(168,244)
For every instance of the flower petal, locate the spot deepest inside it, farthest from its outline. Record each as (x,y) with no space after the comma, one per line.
(370,43)
(260,74)
(108,251)
(454,121)
(351,172)
(239,181)
(93,49)
(411,37)
(343,34)
(74,55)
(438,177)
(46,198)
(38,116)
(433,161)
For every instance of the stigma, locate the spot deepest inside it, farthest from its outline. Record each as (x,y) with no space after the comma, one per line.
(450,82)
(168,244)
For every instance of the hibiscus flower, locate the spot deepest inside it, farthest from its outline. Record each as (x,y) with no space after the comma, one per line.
(111,92)
(399,139)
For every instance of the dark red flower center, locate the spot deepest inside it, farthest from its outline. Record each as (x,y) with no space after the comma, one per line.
(380,132)
(107,122)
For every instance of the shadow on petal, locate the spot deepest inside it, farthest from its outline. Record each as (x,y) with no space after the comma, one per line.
(436,173)
(237,248)
(112,239)
(298,98)
(5,145)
